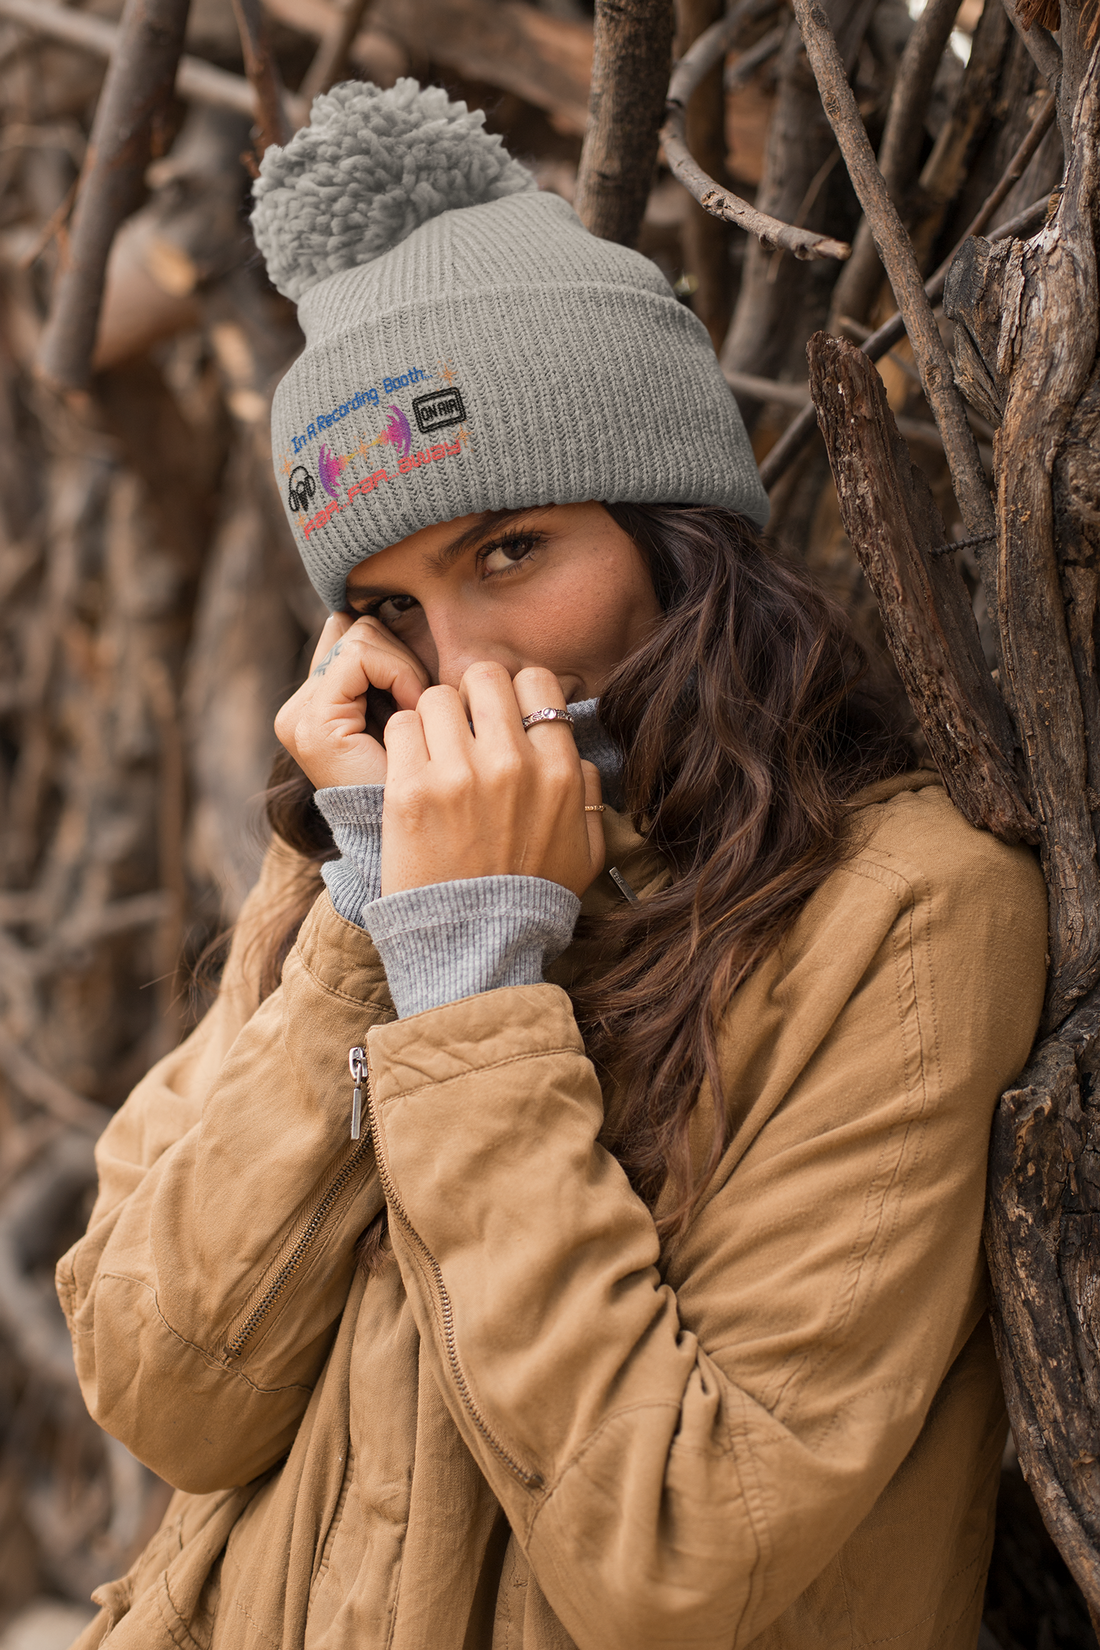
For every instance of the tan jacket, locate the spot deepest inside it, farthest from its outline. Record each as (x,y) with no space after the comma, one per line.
(520,1433)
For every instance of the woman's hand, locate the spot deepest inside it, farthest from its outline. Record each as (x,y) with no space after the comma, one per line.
(326,725)
(491,800)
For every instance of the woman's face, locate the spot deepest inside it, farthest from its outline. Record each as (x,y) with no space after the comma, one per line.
(561,586)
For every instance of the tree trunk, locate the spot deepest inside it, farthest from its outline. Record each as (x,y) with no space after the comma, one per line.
(706,239)
(1026,353)
(128,132)
(629,80)
(1026,356)
(898,535)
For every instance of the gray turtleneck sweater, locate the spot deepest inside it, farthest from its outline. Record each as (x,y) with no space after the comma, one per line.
(454,939)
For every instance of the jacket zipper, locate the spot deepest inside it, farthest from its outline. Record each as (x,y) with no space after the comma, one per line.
(297,1255)
(531,1480)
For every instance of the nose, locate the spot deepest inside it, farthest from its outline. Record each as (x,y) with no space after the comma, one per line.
(459,641)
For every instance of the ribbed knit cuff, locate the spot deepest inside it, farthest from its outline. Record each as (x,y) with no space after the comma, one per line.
(354,816)
(456,939)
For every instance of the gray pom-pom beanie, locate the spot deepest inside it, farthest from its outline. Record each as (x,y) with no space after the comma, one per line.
(469,345)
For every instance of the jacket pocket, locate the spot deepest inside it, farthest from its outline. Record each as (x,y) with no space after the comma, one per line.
(337,1519)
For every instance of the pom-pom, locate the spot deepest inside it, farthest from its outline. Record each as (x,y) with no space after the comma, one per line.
(371,167)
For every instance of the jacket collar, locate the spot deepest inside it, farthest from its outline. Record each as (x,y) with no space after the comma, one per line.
(645,871)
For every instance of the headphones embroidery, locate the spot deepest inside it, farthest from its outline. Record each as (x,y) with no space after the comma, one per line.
(302,488)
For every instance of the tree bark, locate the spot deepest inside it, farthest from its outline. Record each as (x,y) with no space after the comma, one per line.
(901,266)
(761,340)
(861,276)
(1026,354)
(1042,1238)
(128,130)
(630,70)
(896,531)
(1026,350)
(706,239)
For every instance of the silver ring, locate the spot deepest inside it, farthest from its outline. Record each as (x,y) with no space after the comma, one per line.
(549,714)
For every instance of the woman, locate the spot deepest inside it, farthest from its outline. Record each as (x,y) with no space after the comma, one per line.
(628,1288)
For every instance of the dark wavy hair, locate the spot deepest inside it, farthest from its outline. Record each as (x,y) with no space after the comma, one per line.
(746,723)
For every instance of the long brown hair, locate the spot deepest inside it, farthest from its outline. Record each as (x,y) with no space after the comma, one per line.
(746,722)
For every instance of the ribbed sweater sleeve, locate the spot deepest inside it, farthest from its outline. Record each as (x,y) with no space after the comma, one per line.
(353,814)
(448,940)
(457,939)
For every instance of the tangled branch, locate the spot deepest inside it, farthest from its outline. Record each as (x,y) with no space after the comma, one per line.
(721,203)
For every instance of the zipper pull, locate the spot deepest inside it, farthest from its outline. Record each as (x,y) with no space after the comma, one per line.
(622,885)
(357,1065)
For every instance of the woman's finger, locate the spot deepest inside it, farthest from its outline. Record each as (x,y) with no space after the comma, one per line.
(326,725)
(357,660)
(593,801)
(331,631)
(406,746)
(537,689)
(408,684)
(489,702)
(446,728)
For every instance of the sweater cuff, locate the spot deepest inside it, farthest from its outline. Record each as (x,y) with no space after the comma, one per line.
(457,939)
(354,816)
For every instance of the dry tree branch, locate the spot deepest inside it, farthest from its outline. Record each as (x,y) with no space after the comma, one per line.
(1013,172)
(630,67)
(721,203)
(855,288)
(330,59)
(901,137)
(165,709)
(1044,49)
(705,239)
(799,175)
(895,529)
(196,81)
(55,224)
(755,388)
(43,1089)
(272,122)
(896,251)
(740,73)
(894,329)
(64,1171)
(801,429)
(132,105)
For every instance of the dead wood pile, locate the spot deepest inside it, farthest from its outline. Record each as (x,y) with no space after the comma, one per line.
(152,609)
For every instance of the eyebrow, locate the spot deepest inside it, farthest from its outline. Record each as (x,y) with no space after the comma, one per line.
(441,559)
(448,554)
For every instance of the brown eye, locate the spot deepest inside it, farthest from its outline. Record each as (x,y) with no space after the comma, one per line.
(506,553)
(392,608)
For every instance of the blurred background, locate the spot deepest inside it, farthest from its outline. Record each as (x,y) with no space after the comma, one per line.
(153,613)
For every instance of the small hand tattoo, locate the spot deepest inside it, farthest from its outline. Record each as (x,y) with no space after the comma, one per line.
(327,660)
